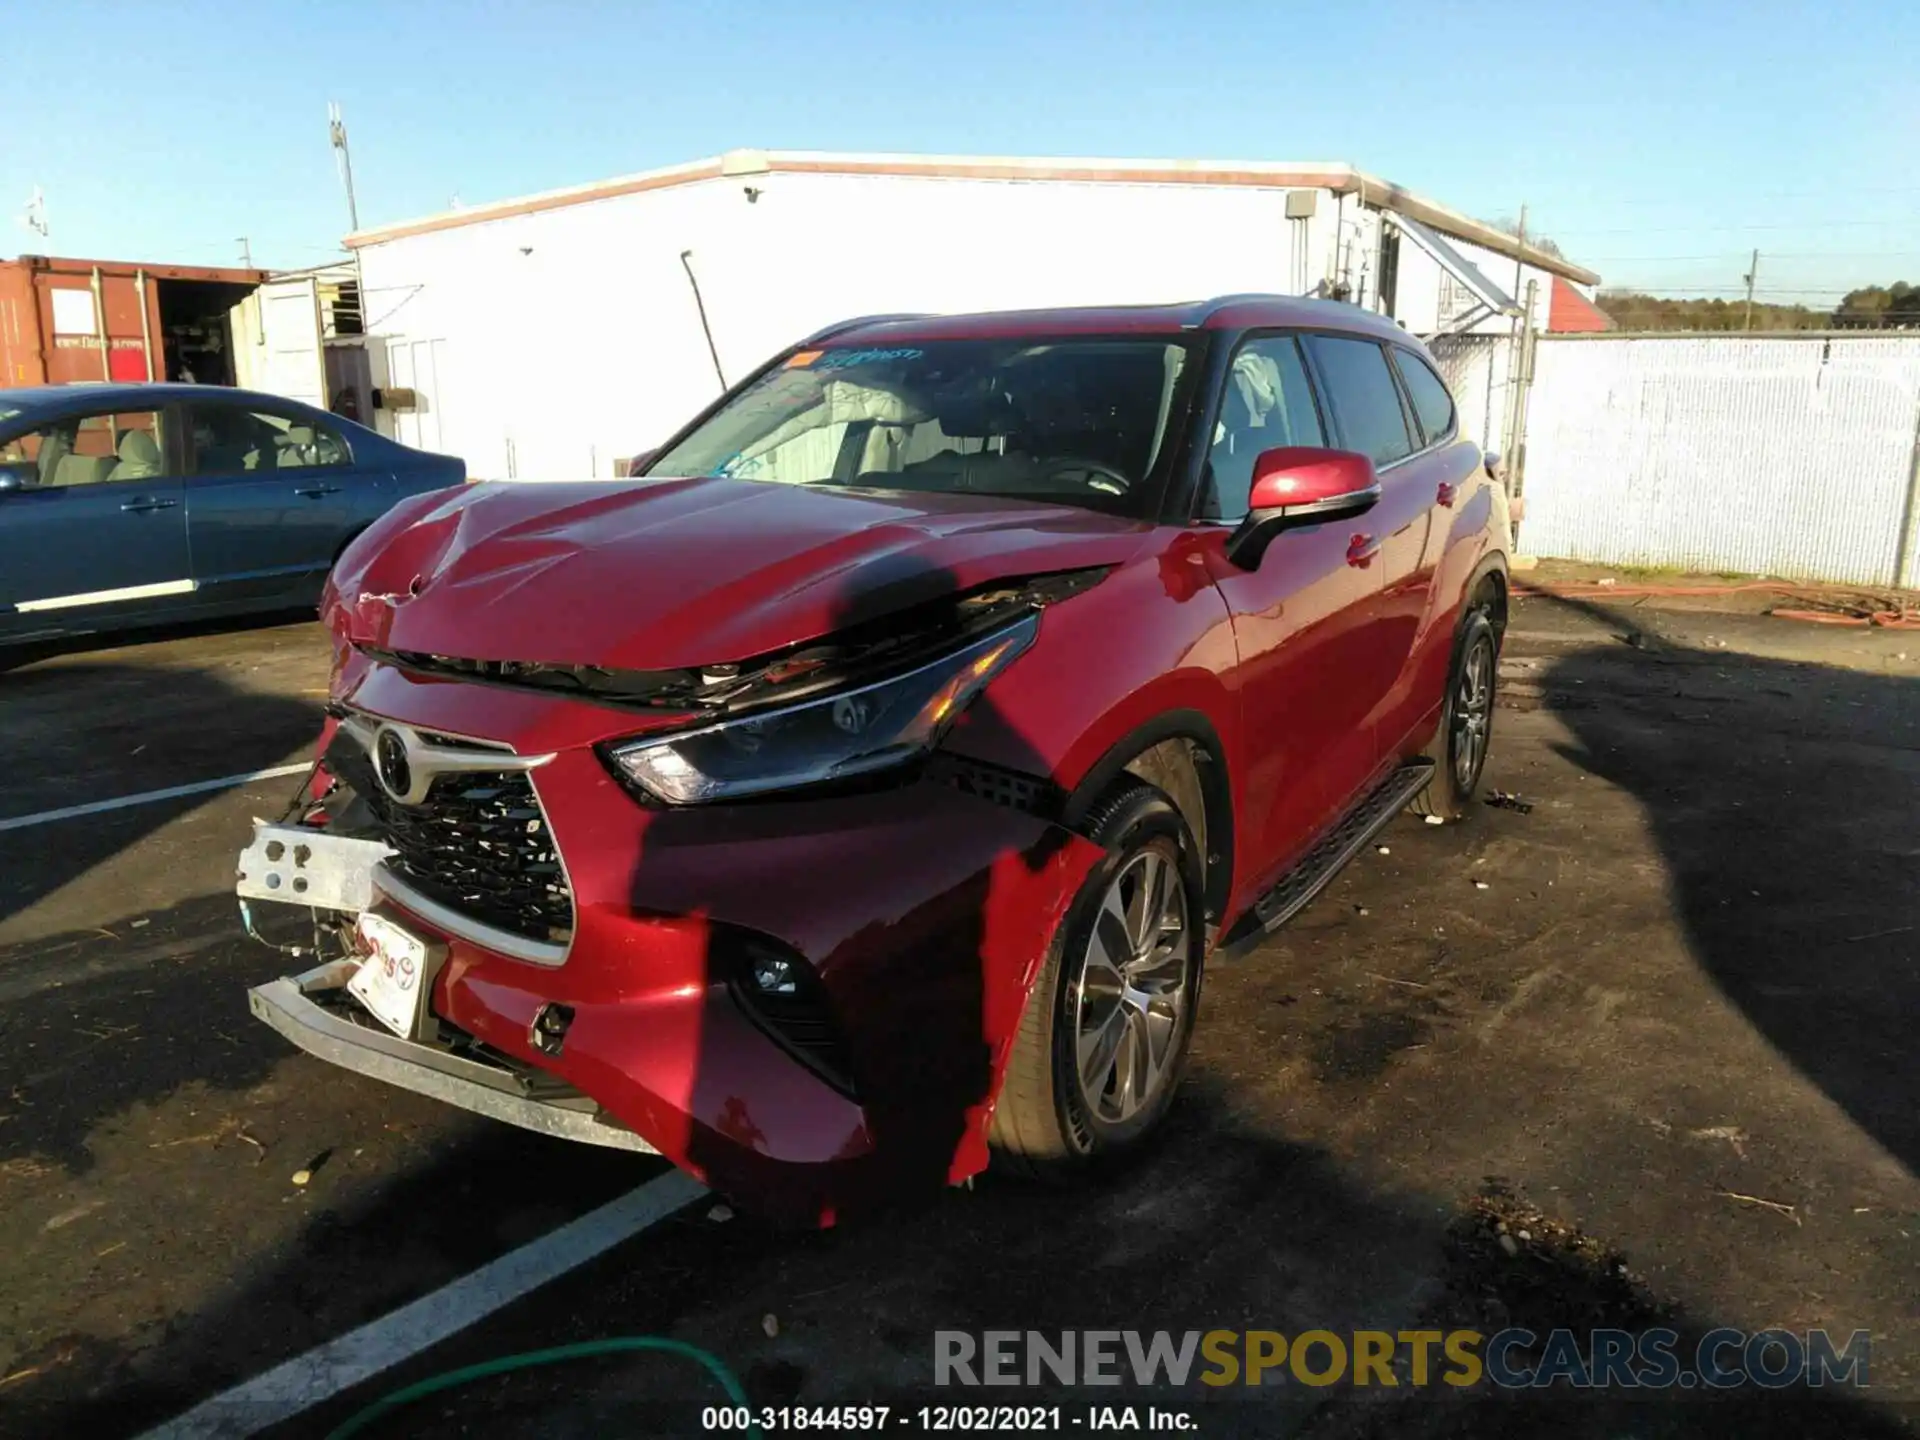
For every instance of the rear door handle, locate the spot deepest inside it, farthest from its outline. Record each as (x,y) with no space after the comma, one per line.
(314,492)
(147,502)
(1445,497)
(1361,550)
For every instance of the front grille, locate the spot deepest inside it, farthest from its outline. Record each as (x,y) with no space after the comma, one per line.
(478,844)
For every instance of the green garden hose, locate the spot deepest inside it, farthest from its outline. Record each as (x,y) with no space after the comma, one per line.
(736,1395)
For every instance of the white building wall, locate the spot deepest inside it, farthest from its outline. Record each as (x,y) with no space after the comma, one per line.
(550,345)
(569,338)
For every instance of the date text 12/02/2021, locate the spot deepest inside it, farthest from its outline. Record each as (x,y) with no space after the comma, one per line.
(941,1419)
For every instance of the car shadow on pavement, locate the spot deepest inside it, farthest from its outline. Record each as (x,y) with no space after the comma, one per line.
(1226,1227)
(97,1022)
(1792,866)
(73,734)
(17,656)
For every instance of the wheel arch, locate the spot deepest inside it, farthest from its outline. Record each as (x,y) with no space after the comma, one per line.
(1181,752)
(1491,574)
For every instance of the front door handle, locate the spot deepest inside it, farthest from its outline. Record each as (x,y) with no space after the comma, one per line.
(314,492)
(1361,550)
(145,503)
(1445,497)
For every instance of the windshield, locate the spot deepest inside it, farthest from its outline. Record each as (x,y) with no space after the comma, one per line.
(1077,422)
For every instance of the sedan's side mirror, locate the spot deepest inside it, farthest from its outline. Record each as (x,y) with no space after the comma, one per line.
(17,475)
(1300,485)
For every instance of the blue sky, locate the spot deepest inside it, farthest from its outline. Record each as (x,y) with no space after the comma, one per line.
(1657,142)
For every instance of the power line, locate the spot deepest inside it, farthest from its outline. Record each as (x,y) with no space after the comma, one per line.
(1902,222)
(1771,255)
(1845,192)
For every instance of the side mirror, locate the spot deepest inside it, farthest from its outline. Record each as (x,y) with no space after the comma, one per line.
(1496,467)
(17,475)
(1300,485)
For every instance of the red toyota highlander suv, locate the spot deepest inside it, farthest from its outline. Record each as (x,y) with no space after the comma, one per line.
(865,787)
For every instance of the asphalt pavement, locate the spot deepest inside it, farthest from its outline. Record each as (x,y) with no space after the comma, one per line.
(1667,1011)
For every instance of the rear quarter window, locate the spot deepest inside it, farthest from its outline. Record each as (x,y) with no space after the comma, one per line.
(1359,389)
(1431,402)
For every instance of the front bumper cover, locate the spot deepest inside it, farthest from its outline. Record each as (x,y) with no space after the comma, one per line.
(527,1100)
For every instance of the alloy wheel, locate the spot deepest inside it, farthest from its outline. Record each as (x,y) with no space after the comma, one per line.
(1473,713)
(1131,1000)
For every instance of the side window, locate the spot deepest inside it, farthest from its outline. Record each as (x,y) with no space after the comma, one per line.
(92,449)
(1267,403)
(1363,397)
(1432,405)
(232,440)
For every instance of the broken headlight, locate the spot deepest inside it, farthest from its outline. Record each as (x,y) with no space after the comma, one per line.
(835,737)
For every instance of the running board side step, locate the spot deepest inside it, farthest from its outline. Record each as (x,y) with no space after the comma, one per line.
(1329,855)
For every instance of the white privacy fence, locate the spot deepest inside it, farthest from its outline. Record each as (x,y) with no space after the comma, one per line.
(1771,456)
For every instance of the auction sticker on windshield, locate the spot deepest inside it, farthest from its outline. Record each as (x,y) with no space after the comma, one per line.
(394,979)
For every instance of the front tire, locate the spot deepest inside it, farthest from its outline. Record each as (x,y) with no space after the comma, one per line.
(1459,748)
(1104,1038)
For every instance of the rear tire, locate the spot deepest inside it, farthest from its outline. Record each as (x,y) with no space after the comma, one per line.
(1105,1034)
(1459,748)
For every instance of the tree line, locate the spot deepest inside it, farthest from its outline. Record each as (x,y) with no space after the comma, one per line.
(1872,307)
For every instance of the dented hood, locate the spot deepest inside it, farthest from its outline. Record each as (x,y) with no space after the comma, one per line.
(667,574)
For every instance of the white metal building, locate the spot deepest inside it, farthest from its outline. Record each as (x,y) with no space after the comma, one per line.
(551,336)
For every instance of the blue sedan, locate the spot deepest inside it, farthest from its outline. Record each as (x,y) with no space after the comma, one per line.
(127,505)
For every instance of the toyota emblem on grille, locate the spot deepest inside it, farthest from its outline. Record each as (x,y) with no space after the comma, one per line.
(394,766)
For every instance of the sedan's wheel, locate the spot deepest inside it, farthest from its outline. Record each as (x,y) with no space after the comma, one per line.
(1459,749)
(1105,1033)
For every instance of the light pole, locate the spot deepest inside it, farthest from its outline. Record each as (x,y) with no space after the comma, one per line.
(337,133)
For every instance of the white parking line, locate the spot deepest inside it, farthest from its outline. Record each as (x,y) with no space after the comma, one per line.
(147,797)
(321,1373)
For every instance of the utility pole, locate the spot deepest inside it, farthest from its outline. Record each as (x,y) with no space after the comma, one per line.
(337,133)
(1520,250)
(1516,349)
(1753,271)
(246,253)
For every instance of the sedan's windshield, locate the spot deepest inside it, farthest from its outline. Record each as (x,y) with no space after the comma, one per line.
(1080,421)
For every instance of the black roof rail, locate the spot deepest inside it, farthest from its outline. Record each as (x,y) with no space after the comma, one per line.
(840,327)
(1213,307)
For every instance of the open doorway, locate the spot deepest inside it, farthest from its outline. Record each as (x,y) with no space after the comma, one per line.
(196,333)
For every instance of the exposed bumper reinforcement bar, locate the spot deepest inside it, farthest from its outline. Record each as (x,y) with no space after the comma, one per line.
(489,1090)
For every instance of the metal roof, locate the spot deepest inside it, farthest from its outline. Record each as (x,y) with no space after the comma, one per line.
(1279,175)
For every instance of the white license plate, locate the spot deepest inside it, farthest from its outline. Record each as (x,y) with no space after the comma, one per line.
(395,978)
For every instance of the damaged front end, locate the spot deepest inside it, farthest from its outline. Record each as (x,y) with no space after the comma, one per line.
(801,998)
(847,658)
(365,1005)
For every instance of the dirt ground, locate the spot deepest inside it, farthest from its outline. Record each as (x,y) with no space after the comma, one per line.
(1662,1021)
